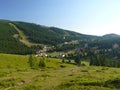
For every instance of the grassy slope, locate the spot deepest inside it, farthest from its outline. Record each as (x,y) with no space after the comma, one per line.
(15,74)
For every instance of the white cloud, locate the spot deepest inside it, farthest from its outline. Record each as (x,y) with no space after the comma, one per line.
(111,27)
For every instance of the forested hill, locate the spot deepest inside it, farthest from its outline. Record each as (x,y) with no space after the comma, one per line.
(17,37)
(20,37)
(9,44)
(49,35)
(112,35)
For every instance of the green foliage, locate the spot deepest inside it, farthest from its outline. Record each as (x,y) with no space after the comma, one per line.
(115,83)
(15,74)
(42,63)
(9,44)
(32,62)
(39,34)
(85,80)
(35,34)
(99,60)
(13,61)
(48,35)
(91,60)
(103,60)
(65,47)
(77,60)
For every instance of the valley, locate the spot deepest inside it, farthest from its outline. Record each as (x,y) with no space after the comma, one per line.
(37,57)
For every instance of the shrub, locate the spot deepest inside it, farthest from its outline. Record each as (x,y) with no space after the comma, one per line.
(84,70)
(42,63)
(115,83)
(62,66)
(32,62)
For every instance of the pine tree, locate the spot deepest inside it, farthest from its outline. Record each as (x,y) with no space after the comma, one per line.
(107,62)
(32,62)
(118,63)
(91,60)
(77,60)
(42,63)
(98,57)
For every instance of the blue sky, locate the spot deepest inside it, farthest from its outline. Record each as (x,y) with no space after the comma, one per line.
(95,17)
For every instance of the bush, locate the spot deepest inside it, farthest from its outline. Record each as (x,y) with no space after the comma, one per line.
(115,83)
(42,63)
(62,66)
(84,70)
(32,62)
(83,64)
(77,60)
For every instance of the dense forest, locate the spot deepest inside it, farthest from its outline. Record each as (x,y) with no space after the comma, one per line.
(9,44)
(49,35)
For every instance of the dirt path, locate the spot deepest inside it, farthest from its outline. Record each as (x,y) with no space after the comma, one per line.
(59,76)
(48,79)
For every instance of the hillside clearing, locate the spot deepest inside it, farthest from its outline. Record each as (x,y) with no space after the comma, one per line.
(22,37)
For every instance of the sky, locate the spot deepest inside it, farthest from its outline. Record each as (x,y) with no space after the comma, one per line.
(93,17)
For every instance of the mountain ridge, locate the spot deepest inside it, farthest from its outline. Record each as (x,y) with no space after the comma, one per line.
(111,35)
(28,36)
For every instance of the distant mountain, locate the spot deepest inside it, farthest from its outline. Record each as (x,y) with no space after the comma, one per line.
(107,41)
(112,35)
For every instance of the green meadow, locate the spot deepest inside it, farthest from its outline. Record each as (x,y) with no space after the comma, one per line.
(16,74)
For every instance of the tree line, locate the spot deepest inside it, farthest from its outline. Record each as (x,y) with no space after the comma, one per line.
(103,60)
(35,64)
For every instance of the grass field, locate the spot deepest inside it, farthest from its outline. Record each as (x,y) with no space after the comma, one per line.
(15,74)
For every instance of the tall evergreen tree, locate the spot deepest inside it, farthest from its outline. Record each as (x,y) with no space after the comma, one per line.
(91,60)
(77,60)
(42,63)
(32,62)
